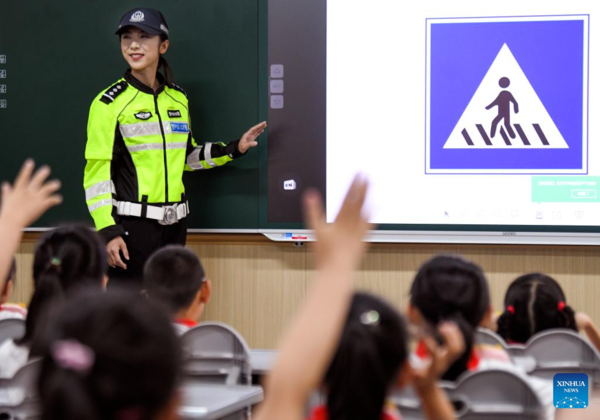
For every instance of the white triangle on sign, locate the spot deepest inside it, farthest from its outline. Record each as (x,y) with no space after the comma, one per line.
(532,124)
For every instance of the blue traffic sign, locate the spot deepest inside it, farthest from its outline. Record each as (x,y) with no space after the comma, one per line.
(507,95)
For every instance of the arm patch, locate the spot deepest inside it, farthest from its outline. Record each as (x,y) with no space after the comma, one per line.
(112,92)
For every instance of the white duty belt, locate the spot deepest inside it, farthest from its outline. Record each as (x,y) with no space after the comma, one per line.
(166,215)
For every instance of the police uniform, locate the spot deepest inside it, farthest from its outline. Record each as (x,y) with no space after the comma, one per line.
(139,143)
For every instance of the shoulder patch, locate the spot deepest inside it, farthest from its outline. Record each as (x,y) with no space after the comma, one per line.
(112,92)
(179,88)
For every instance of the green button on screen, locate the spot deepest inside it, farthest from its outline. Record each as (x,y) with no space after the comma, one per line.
(565,189)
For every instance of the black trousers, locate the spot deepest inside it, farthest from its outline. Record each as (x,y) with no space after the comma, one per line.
(143,238)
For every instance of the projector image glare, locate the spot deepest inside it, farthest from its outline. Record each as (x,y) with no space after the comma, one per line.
(289,185)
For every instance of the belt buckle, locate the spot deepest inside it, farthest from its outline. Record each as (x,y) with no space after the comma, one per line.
(170,217)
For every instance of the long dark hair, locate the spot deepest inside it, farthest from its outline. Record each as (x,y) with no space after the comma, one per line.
(449,288)
(131,364)
(370,354)
(67,258)
(162,62)
(534,302)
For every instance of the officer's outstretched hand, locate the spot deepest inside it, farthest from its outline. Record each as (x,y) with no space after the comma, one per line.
(113,249)
(248,140)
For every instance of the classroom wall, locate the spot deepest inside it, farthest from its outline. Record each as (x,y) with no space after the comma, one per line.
(258,285)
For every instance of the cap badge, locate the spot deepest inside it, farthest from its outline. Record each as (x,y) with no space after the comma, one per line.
(137,17)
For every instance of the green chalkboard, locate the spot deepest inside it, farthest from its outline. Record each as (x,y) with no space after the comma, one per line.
(60,55)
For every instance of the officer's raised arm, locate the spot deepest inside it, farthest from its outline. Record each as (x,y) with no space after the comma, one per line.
(212,155)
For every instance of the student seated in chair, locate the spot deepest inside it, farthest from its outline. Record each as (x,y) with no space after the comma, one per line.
(175,279)
(67,259)
(10,310)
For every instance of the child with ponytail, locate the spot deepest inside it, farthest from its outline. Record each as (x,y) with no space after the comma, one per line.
(450,288)
(372,359)
(66,259)
(534,303)
(110,356)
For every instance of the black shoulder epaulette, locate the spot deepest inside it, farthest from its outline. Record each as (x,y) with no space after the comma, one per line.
(179,88)
(112,92)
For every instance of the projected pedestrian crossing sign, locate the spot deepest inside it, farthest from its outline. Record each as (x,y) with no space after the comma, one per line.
(507,95)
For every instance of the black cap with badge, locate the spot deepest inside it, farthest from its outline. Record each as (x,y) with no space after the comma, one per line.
(149,20)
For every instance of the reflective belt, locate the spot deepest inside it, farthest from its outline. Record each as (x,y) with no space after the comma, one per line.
(166,215)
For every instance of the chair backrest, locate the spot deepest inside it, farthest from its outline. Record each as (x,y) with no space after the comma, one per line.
(12,328)
(563,351)
(494,393)
(19,396)
(486,336)
(487,394)
(214,352)
(408,403)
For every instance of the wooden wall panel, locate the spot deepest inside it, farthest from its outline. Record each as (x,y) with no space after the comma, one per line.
(256,288)
(259,285)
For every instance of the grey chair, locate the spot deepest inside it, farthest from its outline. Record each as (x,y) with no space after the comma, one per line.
(408,402)
(214,352)
(486,336)
(12,328)
(563,351)
(494,394)
(488,394)
(19,397)
(516,352)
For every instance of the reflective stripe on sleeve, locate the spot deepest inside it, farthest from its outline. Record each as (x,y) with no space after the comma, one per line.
(193,159)
(207,155)
(101,203)
(100,188)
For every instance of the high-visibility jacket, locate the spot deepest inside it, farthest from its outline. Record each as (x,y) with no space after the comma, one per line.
(139,143)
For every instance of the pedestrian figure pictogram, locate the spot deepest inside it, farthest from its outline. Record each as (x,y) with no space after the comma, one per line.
(503,101)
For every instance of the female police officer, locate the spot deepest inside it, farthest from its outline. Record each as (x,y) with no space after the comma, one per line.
(139,143)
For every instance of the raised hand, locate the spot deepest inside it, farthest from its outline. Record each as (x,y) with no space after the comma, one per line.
(317,327)
(248,140)
(341,240)
(441,356)
(30,196)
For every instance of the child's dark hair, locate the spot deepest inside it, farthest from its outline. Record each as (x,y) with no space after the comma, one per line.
(126,356)
(534,302)
(449,288)
(369,357)
(66,259)
(173,277)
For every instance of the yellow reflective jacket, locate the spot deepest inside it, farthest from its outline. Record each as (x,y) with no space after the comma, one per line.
(139,143)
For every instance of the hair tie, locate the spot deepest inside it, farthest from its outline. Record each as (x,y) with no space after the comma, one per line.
(370,318)
(561,306)
(511,309)
(72,355)
(56,261)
